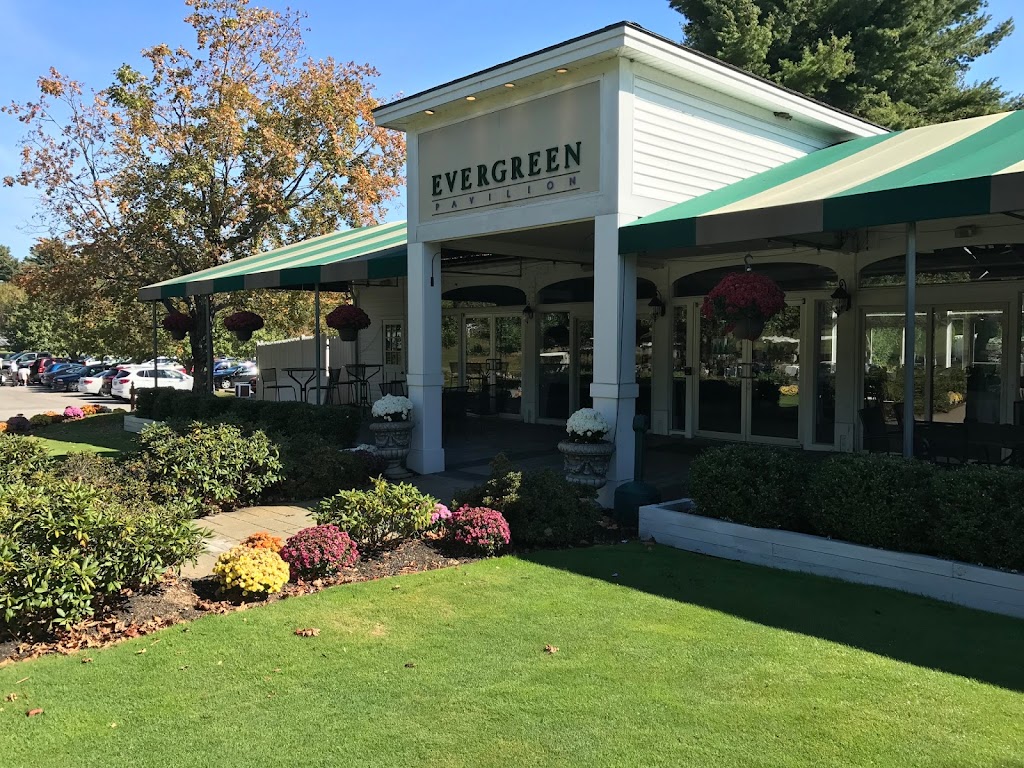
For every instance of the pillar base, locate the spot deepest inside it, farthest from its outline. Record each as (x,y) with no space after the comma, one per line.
(425,462)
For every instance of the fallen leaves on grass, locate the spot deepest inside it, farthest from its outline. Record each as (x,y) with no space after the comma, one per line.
(34,712)
(550,649)
(99,633)
(410,664)
(308,632)
(11,697)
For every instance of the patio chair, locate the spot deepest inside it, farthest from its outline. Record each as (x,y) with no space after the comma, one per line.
(332,385)
(393,388)
(269,378)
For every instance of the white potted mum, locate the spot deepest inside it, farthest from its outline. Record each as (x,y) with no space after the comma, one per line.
(586,452)
(392,432)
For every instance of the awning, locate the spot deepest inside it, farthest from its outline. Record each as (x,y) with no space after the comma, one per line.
(961,168)
(368,253)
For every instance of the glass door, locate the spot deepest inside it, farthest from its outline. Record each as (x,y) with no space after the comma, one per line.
(507,372)
(584,363)
(554,366)
(750,390)
(967,365)
(644,364)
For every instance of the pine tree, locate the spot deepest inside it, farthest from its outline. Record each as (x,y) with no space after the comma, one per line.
(899,63)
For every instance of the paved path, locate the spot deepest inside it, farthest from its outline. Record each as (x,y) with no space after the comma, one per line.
(231,527)
(32,400)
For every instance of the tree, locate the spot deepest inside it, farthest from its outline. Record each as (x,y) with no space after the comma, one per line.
(899,63)
(216,152)
(8,264)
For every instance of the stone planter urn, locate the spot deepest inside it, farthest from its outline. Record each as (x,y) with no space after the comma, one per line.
(586,463)
(392,439)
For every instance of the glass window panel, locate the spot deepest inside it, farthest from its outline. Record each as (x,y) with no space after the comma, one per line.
(775,377)
(825,373)
(678,368)
(720,394)
(554,365)
(644,364)
(884,361)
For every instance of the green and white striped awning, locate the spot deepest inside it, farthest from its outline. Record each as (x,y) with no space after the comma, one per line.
(368,253)
(961,168)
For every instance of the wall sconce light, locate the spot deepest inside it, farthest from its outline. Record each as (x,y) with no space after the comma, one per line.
(841,298)
(528,312)
(657,306)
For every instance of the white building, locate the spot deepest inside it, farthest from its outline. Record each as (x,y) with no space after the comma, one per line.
(520,178)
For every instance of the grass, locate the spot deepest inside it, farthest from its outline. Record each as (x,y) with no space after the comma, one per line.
(664,659)
(102,434)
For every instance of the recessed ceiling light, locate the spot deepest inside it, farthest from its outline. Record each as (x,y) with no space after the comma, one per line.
(561,70)
(471,98)
(510,85)
(428,111)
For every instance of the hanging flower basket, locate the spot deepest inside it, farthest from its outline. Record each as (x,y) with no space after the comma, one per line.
(243,324)
(744,301)
(177,324)
(348,320)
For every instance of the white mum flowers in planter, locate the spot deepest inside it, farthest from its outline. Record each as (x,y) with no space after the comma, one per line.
(392,408)
(587,426)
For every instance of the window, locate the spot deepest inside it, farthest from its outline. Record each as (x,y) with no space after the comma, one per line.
(393,345)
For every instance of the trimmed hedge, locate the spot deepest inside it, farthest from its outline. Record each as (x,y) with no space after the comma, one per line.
(973,514)
(338,424)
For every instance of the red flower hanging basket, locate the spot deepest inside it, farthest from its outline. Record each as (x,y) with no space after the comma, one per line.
(348,320)
(243,324)
(744,301)
(177,324)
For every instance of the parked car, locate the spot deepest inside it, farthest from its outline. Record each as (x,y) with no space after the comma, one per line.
(97,383)
(67,379)
(54,367)
(144,378)
(9,371)
(239,373)
(38,366)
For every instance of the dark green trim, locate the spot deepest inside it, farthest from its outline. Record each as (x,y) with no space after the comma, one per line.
(228,284)
(967,197)
(388,266)
(299,276)
(658,235)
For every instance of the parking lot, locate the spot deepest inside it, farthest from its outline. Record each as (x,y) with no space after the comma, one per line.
(32,400)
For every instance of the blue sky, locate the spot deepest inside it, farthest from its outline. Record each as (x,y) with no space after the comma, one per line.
(414,44)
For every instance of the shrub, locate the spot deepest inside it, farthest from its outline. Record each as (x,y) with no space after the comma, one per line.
(19,425)
(314,468)
(3,426)
(877,500)
(542,508)
(478,528)
(214,466)
(21,460)
(978,516)
(103,472)
(751,485)
(384,513)
(67,548)
(263,540)
(40,420)
(253,571)
(319,552)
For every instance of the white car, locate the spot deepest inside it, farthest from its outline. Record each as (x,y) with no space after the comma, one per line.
(145,378)
(93,385)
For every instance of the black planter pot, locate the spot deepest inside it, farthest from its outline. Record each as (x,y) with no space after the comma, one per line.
(243,335)
(348,334)
(178,335)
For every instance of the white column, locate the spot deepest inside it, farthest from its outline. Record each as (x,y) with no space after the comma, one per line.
(425,379)
(615,389)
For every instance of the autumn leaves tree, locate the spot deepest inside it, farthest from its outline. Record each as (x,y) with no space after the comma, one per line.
(206,154)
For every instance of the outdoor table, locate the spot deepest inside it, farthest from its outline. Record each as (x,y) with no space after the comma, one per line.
(304,384)
(359,375)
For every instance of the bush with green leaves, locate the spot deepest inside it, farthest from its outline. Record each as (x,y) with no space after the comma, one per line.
(977,515)
(212,467)
(751,485)
(542,508)
(315,468)
(21,458)
(336,424)
(385,513)
(67,549)
(873,499)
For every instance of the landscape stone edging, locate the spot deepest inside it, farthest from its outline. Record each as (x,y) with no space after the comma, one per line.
(973,586)
(136,423)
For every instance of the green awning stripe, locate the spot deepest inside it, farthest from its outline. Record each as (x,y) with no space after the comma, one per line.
(387,267)
(988,151)
(965,197)
(327,247)
(228,284)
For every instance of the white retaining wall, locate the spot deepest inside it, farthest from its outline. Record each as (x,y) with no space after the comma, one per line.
(984,588)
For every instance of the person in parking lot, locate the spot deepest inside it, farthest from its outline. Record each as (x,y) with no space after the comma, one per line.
(23,376)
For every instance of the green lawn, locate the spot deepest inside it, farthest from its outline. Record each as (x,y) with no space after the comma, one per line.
(665,659)
(97,434)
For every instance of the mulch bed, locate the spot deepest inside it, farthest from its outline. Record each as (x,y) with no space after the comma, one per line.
(175,600)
